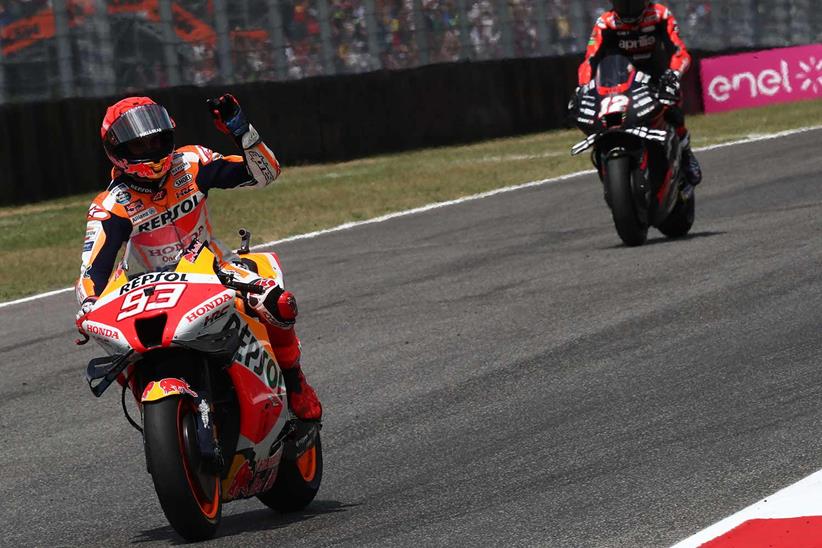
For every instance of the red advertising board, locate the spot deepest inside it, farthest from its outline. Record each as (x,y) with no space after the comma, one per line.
(762,78)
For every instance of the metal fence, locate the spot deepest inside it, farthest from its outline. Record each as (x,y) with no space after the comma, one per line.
(67,48)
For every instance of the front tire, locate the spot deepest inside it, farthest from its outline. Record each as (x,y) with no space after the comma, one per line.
(621,199)
(681,219)
(297,481)
(190,498)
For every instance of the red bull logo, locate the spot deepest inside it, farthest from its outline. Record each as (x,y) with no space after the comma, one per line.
(251,479)
(156,390)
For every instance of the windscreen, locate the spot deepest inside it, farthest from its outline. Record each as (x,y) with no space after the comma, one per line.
(614,70)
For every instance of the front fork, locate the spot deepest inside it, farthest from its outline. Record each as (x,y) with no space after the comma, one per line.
(207,441)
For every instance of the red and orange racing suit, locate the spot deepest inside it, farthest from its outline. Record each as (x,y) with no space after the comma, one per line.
(652,43)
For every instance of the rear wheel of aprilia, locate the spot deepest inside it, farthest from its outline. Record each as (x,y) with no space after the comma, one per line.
(190,498)
(681,219)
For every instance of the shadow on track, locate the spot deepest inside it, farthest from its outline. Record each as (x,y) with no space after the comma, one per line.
(256,520)
(665,239)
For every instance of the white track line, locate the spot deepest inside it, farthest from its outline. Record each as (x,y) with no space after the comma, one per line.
(383,218)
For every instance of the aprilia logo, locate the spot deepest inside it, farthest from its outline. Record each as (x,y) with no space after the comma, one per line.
(643,42)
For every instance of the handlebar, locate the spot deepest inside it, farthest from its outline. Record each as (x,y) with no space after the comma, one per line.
(227,279)
(245,287)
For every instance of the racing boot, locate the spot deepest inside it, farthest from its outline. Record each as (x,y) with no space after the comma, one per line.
(302,399)
(693,171)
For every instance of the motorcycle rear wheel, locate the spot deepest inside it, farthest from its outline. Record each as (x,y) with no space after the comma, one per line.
(621,199)
(190,498)
(681,219)
(297,481)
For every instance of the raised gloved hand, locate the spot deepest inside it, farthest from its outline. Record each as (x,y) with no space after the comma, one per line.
(669,87)
(228,116)
(85,308)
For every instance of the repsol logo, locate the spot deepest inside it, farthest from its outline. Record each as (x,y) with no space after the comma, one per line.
(186,206)
(642,42)
(153,277)
(252,355)
(208,307)
(102,332)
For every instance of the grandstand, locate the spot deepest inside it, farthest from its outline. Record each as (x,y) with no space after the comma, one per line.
(52,49)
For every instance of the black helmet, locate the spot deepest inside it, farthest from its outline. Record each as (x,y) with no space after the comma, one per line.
(630,11)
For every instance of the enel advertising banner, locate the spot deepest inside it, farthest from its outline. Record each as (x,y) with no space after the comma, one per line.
(762,78)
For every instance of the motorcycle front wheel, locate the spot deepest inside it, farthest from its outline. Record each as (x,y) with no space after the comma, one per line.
(621,199)
(190,497)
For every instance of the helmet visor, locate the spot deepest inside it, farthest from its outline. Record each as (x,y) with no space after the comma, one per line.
(139,122)
(151,148)
(629,9)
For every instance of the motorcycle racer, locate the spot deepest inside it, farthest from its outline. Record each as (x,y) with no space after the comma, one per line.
(648,34)
(155,204)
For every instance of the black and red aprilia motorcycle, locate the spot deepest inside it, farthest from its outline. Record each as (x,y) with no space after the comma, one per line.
(636,152)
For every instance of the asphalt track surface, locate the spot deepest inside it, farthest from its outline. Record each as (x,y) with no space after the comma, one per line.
(498,372)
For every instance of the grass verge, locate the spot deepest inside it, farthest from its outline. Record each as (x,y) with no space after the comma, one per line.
(40,244)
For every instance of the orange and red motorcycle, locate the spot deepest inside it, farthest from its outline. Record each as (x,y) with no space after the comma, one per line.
(212,401)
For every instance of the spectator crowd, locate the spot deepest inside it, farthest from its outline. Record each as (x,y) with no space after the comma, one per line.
(291,39)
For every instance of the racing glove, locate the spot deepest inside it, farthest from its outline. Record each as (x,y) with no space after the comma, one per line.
(573,104)
(275,306)
(229,116)
(669,87)
(85,308)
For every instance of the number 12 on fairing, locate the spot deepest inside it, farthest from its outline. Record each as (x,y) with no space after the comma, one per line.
(614,104)
(163,296)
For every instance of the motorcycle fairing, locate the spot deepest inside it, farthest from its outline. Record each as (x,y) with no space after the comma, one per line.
(206,317)
(255,372)
(649,134)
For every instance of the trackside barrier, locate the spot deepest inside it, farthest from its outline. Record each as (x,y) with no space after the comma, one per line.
(51,149)
(762,78)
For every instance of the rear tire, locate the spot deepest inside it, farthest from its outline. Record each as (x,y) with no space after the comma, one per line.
(297,481)
(621,199)
(189,497)
(681,219)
